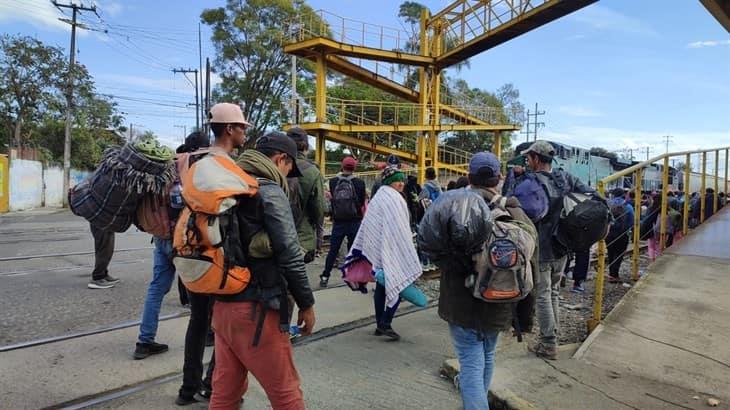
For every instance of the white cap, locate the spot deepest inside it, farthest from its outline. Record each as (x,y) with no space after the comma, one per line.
(226,113)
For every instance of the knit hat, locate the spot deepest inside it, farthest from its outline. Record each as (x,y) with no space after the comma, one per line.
(392,174)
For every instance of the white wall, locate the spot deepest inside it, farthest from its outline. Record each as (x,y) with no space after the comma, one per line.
(31,186)
(53,184)
(26,184)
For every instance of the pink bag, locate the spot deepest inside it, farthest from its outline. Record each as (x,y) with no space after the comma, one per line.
(360,271)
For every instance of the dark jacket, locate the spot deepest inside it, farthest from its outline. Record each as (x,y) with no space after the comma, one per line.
(270,211)
(360,192)
(558,184)
(310,191)
(456,303)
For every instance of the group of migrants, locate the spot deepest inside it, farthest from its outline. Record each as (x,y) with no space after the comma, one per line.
(238,231)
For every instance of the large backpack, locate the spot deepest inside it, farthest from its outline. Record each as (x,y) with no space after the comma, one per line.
(297,198)
(584,221)
(153,212)
(503,273)
(208,252)
(344,200)
(532,196)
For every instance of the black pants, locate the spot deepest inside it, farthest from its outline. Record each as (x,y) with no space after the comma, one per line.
(200,307)
(103,251)
(383,314)
(580,270)
(340,231)
(616,250)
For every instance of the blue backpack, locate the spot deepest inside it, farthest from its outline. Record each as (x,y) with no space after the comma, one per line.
(433,194)
(532,196)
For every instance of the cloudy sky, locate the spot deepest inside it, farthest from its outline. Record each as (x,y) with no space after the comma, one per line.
(620,74)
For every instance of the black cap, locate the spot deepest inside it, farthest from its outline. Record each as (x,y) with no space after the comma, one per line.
(197,140)
(298,135)
(278,141)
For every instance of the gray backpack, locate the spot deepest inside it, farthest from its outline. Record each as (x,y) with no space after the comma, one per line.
(503,273)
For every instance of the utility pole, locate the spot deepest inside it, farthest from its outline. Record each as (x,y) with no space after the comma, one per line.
(69,95)
(648,150)
(207,95)
(537,124)
(200,67)
(527,127)
(131,133)
(197,103)
(667,139)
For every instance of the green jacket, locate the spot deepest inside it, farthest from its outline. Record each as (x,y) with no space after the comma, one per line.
(307,201)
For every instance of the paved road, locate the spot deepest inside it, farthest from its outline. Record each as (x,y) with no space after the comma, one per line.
(45,297)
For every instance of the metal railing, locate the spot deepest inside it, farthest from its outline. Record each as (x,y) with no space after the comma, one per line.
(667,217)
(466,20)
(345,30)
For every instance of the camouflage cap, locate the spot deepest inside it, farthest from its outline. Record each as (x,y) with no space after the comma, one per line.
(543,148)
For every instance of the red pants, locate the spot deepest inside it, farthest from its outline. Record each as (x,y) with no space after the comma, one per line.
(271,362)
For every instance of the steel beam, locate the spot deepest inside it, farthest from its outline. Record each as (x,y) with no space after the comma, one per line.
(316,45)
(345,128)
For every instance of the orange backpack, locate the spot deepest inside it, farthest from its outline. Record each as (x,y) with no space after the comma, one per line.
(208,254)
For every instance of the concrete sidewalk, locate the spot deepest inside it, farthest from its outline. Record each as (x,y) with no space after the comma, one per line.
(353,370)
(60,372)
(664,346)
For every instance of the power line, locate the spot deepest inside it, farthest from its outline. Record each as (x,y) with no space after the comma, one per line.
(197,103)
(535,124)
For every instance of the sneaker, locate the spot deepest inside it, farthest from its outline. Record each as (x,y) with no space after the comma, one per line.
(100,284)
(388,332)
(144,350)
(183,400)
(543,351)
(614,279)
(204,394)
(578,289)
(111,279)
(323,281)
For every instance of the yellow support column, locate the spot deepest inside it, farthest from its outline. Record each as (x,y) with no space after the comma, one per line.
(320,153)
(637,227)
(321,88)
(663,213)
(703,186)
(600,271)
(687,192)
(435,86)
(423,101)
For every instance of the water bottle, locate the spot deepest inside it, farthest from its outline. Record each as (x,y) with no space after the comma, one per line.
(176,199)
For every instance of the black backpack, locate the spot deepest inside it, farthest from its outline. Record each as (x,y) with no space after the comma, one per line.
(584,221)
(344,200)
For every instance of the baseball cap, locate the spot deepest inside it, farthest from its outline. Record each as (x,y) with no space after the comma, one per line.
(298,135)
(278,141)
(226,113)
(485,162)
(543,148)
(349,163)
(393,160)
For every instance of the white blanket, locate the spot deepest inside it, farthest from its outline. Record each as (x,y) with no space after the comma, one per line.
(385,240)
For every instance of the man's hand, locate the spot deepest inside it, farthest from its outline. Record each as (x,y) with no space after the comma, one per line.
(306,316)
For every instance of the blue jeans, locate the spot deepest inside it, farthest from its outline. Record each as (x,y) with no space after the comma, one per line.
(476,359)
(340,230)
(163,272)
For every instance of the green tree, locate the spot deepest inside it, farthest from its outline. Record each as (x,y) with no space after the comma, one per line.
(32,75)
(602,152)
(253,67)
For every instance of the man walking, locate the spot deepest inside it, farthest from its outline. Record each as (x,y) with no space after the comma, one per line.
(557,184)
(306,195)
(474,324)
(103,252)
(251,328)
(348,200)
(431,188)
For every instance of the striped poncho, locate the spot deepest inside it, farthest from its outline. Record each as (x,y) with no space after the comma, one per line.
(385,240)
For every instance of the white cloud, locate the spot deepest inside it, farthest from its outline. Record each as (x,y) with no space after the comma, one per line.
(579,111)
(40,13)
(604,19)
(711,43)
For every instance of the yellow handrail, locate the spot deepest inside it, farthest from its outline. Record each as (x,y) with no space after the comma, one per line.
(637,171)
